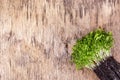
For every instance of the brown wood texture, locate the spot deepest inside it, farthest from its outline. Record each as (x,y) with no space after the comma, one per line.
(36,36)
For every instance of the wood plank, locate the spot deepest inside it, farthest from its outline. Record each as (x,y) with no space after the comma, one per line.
(36,36)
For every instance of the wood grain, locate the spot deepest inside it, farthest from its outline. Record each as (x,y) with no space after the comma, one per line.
(36,36)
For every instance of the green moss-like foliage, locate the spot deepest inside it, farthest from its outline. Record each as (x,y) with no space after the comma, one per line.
(91,49)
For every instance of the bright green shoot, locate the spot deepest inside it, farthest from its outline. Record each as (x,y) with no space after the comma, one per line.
(91,49)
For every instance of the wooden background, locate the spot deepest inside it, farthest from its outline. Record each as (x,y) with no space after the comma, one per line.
(36,36)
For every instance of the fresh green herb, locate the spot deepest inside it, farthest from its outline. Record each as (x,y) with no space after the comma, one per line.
(91,49)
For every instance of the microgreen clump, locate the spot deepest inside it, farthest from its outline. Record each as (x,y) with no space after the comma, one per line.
(91,49)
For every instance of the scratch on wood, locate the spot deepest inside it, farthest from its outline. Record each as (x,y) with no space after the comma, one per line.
(97,14)
(67,6)
(44,19)
(36,17)
(81,11)
(27,6)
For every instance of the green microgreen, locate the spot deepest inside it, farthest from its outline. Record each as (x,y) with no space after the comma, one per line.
(92,48)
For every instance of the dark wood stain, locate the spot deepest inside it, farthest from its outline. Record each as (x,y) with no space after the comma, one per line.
(108,69)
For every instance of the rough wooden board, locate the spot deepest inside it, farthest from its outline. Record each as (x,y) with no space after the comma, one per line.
(37,36)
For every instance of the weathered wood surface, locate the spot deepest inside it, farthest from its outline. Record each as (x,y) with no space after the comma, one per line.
(36,36)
